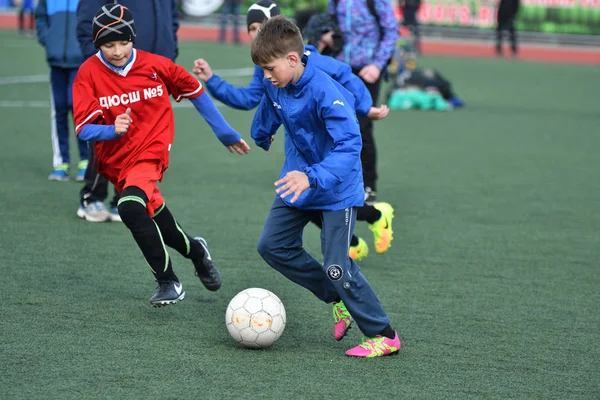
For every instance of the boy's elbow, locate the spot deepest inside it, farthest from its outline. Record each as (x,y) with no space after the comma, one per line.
(82,136)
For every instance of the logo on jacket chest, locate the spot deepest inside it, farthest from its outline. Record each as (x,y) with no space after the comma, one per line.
(131,97)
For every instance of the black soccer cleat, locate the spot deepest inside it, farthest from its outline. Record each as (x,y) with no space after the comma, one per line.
(167,292)
(205,269)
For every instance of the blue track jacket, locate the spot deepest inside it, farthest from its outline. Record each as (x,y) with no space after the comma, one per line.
(246,98)
(322,138)
(55,28)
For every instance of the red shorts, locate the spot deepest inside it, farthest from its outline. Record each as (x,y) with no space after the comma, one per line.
(145,175)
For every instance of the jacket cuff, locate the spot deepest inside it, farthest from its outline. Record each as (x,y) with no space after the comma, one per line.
(312,180)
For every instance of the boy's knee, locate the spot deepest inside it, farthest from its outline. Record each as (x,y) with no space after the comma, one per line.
(132,205)
(267,249)
(263,247)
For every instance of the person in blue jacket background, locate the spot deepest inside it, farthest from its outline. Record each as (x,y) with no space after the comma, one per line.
(321,174)
(157,22)
(26,8)
(56,22)
(380,216)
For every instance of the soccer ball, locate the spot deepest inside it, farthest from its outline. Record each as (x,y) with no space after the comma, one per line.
(255,318)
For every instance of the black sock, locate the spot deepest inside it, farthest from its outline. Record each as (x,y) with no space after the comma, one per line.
(368,213)
(388,332)
(132,209)
(354,241)
(175,237)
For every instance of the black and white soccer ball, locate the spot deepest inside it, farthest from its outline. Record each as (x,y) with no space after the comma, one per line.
(255,318)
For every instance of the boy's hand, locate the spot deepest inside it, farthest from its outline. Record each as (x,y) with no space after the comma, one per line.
(370,73)
(202,69)
(327,40)
(378,112)
(122,122)
(294,182)
(240,147)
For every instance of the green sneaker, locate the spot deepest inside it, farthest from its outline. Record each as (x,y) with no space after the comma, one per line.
(382,229)
(81,167)
(343,320)
(60,173)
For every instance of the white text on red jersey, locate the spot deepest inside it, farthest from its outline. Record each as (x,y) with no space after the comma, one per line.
(131,97)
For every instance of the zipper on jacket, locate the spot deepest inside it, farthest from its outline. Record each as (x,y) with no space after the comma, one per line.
(66,36)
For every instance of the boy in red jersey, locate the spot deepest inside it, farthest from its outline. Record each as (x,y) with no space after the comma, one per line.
(121,101)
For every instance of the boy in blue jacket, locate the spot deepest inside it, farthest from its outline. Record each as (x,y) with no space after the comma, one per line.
(56,22)
(321,175)
(380,216)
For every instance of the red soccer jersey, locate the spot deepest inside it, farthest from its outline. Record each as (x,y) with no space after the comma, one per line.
(100,94)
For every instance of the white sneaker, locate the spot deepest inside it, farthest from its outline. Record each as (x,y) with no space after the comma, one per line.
(94,212)
(113,215)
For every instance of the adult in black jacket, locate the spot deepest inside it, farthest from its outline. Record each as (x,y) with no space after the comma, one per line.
(409,10)
(156,22)
(507,13)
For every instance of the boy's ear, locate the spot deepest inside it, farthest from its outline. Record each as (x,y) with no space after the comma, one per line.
(293,58)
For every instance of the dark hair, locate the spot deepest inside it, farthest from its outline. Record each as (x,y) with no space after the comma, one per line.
(277,37)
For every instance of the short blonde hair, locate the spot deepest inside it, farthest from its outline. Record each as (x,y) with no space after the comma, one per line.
(277,37)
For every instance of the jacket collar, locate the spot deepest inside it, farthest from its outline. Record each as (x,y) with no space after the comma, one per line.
(119,70)
(307,75)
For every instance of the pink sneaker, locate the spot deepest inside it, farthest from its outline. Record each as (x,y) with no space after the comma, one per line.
(376,347)
(342,319)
